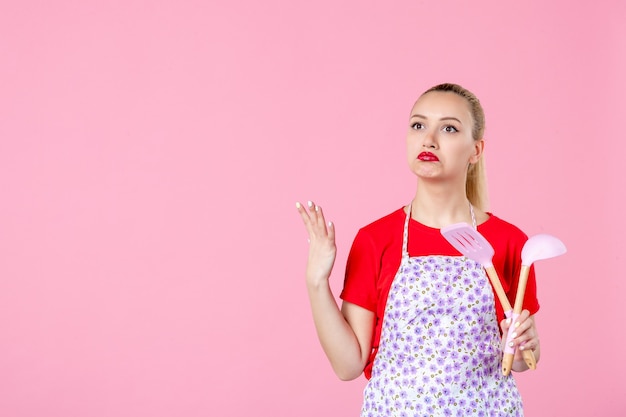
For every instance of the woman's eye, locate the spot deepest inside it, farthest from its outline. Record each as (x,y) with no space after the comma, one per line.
(450,129)
(417,126)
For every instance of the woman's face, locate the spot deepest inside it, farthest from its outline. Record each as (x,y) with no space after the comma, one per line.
(439,142)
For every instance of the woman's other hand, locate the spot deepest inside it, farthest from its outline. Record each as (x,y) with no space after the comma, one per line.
(322,248)
(525,337)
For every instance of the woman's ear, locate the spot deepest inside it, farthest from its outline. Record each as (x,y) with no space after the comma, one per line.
(479,147)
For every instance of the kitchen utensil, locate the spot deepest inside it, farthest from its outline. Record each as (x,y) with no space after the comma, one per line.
(473,245)
(537,247)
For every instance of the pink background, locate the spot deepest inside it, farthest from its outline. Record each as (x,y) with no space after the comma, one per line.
(151,152)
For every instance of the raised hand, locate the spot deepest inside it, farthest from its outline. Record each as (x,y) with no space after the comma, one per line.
(322,249)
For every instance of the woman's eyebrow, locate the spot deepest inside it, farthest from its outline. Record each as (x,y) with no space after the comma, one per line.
(443,118)
(451,118)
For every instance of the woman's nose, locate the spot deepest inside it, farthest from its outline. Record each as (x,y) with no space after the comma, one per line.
(429,141)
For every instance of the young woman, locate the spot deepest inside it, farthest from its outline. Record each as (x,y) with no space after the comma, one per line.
(418,319)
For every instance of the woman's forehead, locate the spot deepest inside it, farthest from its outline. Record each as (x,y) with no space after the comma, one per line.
(440,104)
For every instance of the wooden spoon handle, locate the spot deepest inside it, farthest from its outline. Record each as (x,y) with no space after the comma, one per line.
(497,286)
(507,363)
(521,288)
(529,358)
(507,360)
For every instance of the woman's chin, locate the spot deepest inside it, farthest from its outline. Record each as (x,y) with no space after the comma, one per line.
(427,172)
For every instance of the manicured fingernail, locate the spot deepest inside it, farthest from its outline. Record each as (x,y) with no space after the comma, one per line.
(310,203)
(517,324)
(511,344)
(514,334)
(521,347)
(317,208)
(298,205)
(330,224)
(508,321)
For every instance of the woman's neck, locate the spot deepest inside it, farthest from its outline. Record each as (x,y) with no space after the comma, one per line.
(440,206)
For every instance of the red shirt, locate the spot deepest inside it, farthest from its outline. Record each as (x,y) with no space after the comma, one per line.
(376,253)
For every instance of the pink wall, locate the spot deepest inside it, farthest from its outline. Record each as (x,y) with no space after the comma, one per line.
(151,152)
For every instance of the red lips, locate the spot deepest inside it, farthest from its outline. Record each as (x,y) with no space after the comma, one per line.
(427,156)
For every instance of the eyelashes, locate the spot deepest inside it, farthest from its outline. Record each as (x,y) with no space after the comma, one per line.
(450,129)
(445,128)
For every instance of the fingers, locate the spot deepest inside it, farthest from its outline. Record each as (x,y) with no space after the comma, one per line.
(331,231)
(317,217)
(529,338)
(322,248)
(321,222)
(303,213)
(504,325)
(314,221)
(523,331)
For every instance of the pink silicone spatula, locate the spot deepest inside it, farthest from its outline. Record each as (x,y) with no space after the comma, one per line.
(541,246)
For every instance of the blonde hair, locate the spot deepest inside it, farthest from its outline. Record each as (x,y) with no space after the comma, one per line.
(476,184)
